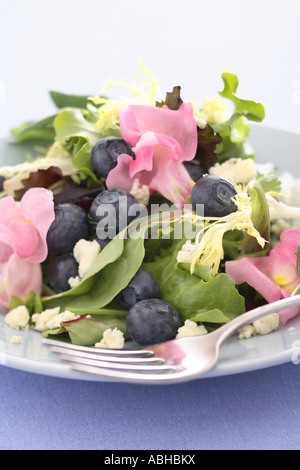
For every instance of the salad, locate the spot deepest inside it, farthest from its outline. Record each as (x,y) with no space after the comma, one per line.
(144,217)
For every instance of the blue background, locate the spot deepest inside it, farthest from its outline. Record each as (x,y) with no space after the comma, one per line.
(249,411)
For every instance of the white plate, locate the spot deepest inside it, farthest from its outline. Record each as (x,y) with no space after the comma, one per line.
(236,356)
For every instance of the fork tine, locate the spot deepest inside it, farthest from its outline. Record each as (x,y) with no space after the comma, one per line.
(108,358)
(117,366)
(107,352)
(129,377)
(130,364)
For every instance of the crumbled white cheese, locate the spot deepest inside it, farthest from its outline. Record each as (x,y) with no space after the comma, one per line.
(247,332)
(142,194)
(292,329)
(191,328)
(112,339)
(236,170)
(185,254)
(52,318)
(74,281)
(18,318)
(16,340)
(85,253)
(263,326)
(200,122)
(266,325)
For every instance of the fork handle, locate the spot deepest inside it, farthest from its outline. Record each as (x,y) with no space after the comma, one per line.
(249,317)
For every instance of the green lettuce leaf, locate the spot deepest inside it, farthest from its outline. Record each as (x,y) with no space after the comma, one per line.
(269,183)
(43,130)
(78,137)
(76,132)
(235,130)
(39,132)
(250,109)
(215,300)
(261,221)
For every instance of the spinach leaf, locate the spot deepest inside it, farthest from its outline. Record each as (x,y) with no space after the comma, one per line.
(63,100)
(111,272)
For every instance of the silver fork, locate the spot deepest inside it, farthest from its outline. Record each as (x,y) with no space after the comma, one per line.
(171,362)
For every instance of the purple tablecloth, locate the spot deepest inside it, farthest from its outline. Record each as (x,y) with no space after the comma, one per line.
(256,410)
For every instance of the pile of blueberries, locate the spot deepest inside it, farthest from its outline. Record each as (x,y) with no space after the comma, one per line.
(150,319)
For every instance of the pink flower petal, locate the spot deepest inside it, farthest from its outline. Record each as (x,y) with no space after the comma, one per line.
(5,250)
(37,206)
(26,238)
(253,271)
(137,120)
(172,180)
(119,178)
(291,237)
(8,242)
(282,262)
(9,210)
(18,277)
(168,177)
(143,160)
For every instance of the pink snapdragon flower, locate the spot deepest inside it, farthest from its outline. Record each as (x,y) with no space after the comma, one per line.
(275,276)
(23,232)
(162,139)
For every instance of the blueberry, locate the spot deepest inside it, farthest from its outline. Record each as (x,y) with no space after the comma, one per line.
(103,243)
(69,226)
(142,286)
(216,194)
(2,179)
(105,154)
(195,171)
(109,212)
(62,269)
(153,321)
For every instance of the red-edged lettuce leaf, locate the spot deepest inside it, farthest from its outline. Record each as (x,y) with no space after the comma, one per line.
(88,330)
(40,179)
(173,99)
(206,153)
